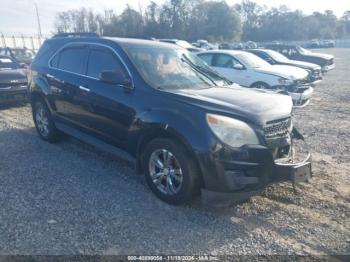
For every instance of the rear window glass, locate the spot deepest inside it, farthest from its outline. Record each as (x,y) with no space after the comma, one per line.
(72,59)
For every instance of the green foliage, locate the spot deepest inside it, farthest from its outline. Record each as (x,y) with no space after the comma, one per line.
(261,24)
(212,20)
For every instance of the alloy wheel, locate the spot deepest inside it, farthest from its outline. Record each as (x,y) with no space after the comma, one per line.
(42,120)
(165,172)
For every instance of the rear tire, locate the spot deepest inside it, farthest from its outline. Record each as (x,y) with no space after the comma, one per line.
(44,123)
(171,172)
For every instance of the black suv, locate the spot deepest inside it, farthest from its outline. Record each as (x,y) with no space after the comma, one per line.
(187,128)
(325,61)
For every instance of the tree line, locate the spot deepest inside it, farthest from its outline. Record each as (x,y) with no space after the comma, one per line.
(212,20)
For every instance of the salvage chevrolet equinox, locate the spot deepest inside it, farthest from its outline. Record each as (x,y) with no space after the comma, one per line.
(188,130)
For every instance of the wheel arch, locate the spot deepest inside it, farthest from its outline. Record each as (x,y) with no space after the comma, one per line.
(164,132)
(259,83)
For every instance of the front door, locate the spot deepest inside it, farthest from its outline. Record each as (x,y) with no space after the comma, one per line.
(225,65)
(110,106)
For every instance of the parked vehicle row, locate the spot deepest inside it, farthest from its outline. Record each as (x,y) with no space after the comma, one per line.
(183,44)
(204,44)
(275,58)
(248,70)
(188,128)
(320,44)
(13,81)
(282,70)
(301,54)
(21,55)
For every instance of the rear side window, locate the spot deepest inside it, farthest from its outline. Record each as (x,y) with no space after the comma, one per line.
(208,58)
(262,55)
(71,59)
(102,59)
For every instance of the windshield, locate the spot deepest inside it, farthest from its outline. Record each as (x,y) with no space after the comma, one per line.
(277,56)
(172,68)
(251,61)
(302,50)
(23,54)
(7,63)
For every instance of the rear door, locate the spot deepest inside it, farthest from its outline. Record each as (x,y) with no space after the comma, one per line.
(67,83)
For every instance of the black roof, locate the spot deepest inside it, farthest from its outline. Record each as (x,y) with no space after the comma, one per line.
(82,34)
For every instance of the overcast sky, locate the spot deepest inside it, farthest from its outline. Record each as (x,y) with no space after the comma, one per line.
(18,16)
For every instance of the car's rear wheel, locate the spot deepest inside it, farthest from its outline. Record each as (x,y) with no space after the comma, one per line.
(170,171)
(44,123)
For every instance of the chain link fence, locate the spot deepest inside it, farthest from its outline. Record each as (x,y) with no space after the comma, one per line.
(30,42)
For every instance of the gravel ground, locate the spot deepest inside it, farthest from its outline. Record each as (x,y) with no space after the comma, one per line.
(70,198)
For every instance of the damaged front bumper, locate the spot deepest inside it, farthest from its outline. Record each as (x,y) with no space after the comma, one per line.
(300,95)
(328,68)
(244,179)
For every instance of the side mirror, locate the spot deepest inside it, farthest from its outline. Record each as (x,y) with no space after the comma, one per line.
(238,67)
(116,78)
(22,65)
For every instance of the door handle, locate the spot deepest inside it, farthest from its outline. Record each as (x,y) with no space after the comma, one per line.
(84,89)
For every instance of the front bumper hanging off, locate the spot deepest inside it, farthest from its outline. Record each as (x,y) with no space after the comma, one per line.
(280,170)
(302,99)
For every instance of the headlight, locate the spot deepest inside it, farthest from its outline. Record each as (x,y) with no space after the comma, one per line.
(232,132)
(284,82)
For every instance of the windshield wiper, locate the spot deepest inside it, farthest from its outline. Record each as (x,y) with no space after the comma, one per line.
(205,71)
(201,73)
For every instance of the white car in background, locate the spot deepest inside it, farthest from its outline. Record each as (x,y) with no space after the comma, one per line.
(249,70)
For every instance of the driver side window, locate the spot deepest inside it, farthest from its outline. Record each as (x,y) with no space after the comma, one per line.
(225,61)
(101,59)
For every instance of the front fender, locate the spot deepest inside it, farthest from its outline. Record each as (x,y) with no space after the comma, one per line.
(270,79)
(191,128)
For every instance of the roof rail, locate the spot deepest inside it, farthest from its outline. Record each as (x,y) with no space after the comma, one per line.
(83,34)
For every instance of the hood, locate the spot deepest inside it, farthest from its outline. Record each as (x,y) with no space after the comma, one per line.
(285,71)
(305,65)
(250,105)
(8,75)
(319,55)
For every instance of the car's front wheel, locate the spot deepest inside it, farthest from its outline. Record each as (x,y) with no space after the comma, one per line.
(171,172)
(44,123)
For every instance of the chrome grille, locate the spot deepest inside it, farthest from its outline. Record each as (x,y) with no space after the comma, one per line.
(301,81)
(277,128)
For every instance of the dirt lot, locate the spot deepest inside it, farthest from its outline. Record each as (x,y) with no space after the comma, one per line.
(70,198)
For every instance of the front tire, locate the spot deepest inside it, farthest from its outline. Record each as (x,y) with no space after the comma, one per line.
(44,123)
(170,171)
